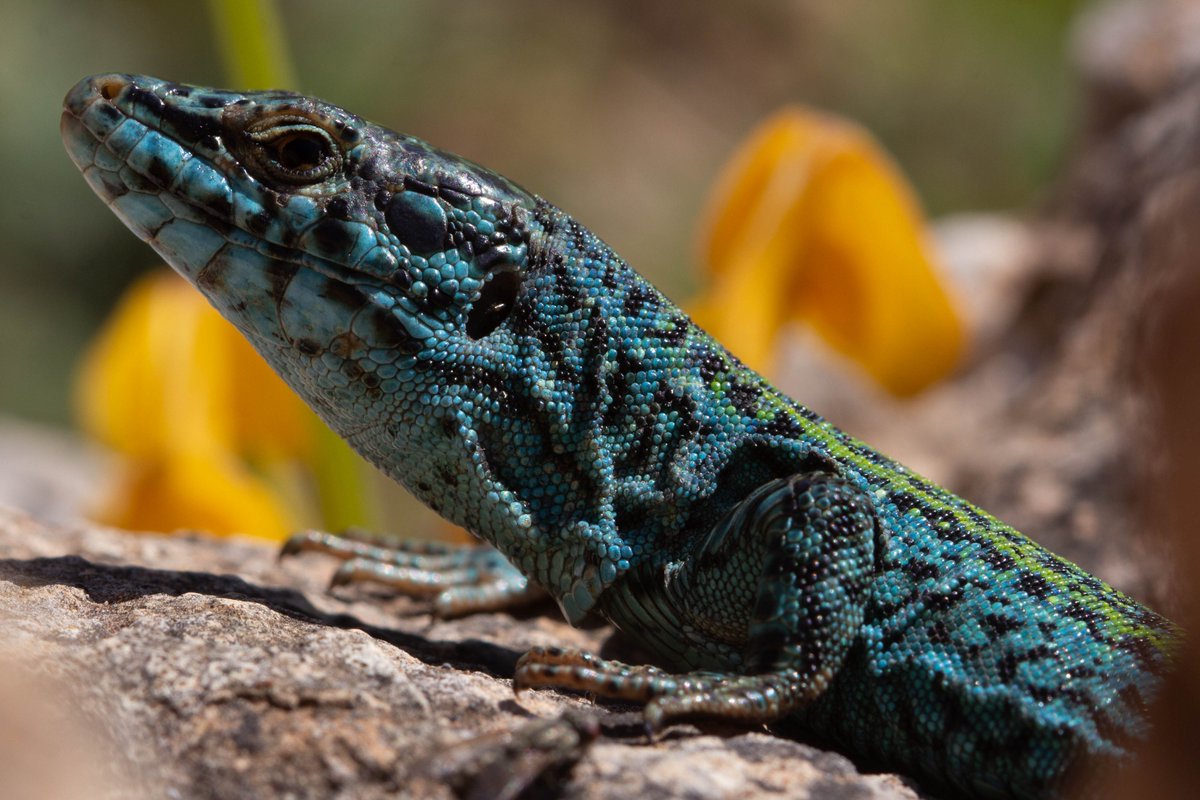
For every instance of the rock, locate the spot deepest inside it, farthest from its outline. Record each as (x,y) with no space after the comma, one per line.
(1130,54)
(193,667)
(53,474)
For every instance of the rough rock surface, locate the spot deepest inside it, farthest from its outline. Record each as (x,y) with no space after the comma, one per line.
(138,665)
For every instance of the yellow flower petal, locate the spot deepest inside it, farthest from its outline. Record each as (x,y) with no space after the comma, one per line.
(167,373)
(195,491)
(270,421)
(812,222)
(179,392)
(154,380)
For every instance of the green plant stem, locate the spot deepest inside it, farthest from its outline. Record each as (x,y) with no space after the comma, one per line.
(252,44)
(255,54)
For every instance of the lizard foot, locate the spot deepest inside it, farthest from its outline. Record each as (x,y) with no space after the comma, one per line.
(461,579)
(668,696)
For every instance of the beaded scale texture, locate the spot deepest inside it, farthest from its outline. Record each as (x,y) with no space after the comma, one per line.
(502,363)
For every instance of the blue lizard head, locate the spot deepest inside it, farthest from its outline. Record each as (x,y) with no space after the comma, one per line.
(263,199)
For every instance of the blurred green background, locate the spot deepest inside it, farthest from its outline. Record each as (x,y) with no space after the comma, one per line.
(620,112)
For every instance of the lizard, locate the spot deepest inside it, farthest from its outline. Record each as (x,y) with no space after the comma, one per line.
(500,361)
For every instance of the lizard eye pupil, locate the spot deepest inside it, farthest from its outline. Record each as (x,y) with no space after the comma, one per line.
(300,151)
(495,301)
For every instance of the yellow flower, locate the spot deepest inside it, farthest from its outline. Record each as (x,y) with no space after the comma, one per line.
(210,492)
(199,418)
(811,222)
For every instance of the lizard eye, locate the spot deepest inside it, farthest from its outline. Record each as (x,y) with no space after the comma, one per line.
(295,152)
(495,301)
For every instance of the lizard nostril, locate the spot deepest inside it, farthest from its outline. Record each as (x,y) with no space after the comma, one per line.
(110,86)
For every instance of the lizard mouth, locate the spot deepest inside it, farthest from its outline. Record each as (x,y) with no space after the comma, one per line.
(100,138)
(171,195)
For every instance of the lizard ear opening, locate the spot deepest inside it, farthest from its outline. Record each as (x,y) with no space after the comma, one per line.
(495,301)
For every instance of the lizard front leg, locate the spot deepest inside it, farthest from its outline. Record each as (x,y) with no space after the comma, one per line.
(763,610)
(461,579)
